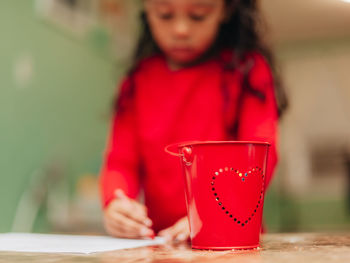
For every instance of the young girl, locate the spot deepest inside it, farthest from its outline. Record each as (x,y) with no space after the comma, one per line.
(201,72)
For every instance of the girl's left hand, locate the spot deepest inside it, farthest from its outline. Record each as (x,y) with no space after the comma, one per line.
(180,231)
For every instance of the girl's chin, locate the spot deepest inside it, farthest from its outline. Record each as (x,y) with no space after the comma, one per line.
(182,61)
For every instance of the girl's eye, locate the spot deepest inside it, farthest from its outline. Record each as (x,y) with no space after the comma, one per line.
(166,16)
(197,17)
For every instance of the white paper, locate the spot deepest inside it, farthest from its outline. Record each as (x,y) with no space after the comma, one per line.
(45,243)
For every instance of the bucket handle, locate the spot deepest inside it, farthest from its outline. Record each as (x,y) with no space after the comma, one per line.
(167,150)
(186,153)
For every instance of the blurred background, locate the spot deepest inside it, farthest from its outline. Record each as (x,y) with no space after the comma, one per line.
(60,62)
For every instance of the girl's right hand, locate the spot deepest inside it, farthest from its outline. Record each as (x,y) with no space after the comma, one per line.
(127,218)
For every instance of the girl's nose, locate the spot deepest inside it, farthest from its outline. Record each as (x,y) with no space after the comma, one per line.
(181,28)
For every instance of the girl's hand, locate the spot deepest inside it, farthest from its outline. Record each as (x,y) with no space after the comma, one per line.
(127,218)
(180,231)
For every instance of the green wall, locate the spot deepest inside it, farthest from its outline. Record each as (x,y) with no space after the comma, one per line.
(61,113)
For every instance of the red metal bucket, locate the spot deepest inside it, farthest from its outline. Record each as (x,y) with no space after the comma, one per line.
(225,188)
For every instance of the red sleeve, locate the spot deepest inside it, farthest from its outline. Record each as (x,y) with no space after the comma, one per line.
(259,119)
(121,160)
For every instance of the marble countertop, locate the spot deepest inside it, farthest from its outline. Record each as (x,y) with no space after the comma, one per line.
(296,248)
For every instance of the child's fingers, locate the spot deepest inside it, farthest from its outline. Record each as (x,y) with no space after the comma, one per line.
(177,235)
(178,232)
(128,226)
(138,206)
(169,234)
(182,236)
(115,230)
(139,215)
(129,211)
(132,208)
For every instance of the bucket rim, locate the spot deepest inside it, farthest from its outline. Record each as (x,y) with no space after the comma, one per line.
(196,143)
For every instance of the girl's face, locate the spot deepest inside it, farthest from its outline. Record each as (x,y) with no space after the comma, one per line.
(184,29)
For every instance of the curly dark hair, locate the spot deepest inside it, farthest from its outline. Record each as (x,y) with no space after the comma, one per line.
(240,33)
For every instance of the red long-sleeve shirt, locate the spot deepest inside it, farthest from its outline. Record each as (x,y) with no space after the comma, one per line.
(173,106)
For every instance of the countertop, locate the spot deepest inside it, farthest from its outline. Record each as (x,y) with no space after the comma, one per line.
(296,248)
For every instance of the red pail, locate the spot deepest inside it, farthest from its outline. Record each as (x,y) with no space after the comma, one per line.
(225,188)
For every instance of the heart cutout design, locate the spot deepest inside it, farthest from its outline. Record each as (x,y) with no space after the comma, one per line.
(240,177)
